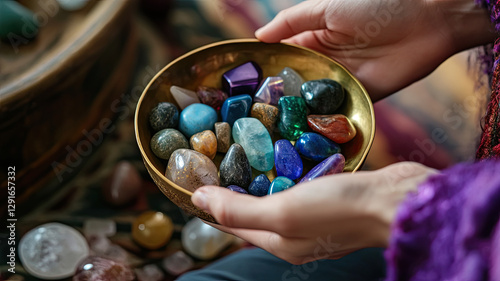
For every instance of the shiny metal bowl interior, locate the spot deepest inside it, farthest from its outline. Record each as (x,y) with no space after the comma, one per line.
(205,66)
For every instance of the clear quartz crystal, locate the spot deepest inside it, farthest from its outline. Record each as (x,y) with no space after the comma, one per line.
(184,97)
(292,81)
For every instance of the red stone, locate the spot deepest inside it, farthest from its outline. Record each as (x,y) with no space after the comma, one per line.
(336,127)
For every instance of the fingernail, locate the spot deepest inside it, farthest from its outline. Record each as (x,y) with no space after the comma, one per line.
(200,199)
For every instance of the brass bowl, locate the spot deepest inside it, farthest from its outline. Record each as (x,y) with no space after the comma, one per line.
(205,66)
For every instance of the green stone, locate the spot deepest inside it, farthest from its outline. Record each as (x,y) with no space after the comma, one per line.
(17,24)
(256,141)
(292,120)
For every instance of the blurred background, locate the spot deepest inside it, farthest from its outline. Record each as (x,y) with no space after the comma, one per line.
(72,72)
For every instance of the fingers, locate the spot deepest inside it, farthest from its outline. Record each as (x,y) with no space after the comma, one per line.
(308,15)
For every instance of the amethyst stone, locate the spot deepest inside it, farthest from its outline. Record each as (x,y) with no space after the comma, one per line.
(287,160)
(315,147)
(235,108)
(331,165)
(237,189)
(243,79)
(270,91)
(259,186)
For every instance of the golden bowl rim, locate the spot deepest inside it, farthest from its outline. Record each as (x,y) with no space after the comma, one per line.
(227,42)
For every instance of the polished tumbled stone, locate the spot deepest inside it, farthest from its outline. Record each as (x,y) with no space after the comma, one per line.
(287,160)
(166,141)
(223,135)
(242,80)
(260,185)
(197,118)
(235,167)
(163,116)
(184,97)
(238,189)
(292,81)
(323,96)
(211,96)
(336,127)
(17,24)
(235,108)
(266,114)
(315,147)
(292,120)
(279,184)
(256,141)
(94,268)
(99,227)
(270,91)
(204,142)
(203,241)
(152,230)
(191,169)
(149,272)
(331,165)
(177,263)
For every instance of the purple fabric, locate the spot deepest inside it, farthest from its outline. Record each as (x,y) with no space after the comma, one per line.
(449,229)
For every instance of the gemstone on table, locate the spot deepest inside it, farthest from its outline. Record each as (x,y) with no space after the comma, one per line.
(223,135)
(203,241)
(177,263)
(99,227)
(163,116)
(256,141)
(315,147)
(266,114)
(292,120)
(191,169)
(336,127)
(279,184)
(323,96)
(238,189)
(152,230)
(270,91)
(259,186)
(17,23)
(235,108)
(52,251)
(292,81)
(184,97)
(103,247)
(197,118)
(149,272)
(211,96)
(166,141)
(287,160)
(235,168)
(204,142)
(94,268)
(331,165)
(122,185)
(242,80)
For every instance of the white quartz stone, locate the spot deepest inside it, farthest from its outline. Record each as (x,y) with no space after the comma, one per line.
(204,241)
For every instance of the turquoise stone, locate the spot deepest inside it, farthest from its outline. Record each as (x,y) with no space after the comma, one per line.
(287,160)
(197,118)
(315,147)
(260,185)
(17,24)
(292,120)
(235,168)
(270,91)
(323,96)
(166,141)
(280,184)
(235,108)
(331,165)
(256,141)
(292,81)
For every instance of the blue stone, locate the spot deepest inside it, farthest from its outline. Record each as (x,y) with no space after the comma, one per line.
(331,165)
(242,80)
(260,185)
(287,160)
(256,141)
(315,147)
(235,108)
(237,189)
(196,118)
(323,96)
(280,184)
(270,91)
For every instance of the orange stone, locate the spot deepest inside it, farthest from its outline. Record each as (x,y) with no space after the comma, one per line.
(336,127)
(152,230)
(205,143)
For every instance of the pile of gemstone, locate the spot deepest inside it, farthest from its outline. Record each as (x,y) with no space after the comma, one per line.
(241,120)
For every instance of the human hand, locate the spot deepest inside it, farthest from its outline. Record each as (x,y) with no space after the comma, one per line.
(386,44)
(328,217)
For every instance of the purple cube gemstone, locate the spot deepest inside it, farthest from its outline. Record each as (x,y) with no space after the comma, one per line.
(270,91)
(237,189)
(243,79)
